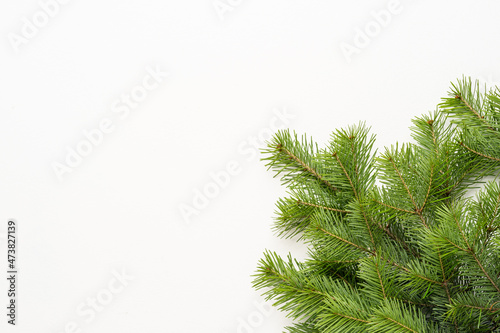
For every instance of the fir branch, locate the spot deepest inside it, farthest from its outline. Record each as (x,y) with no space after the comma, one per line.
(478,153)
(346,241)
(306,167)
(397,239)
(461,98)
(393,316)
(346,174)
(390,159)
(395,208)
(299,202)
(471,251)
(413,254)
(428,189)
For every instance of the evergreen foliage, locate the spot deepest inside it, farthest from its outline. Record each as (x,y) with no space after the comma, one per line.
(412,254)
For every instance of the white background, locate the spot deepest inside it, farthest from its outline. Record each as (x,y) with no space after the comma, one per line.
(119,210)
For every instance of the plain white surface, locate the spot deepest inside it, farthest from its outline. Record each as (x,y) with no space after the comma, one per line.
(118,211)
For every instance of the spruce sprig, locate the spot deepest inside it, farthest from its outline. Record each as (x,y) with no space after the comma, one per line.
(395,244)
